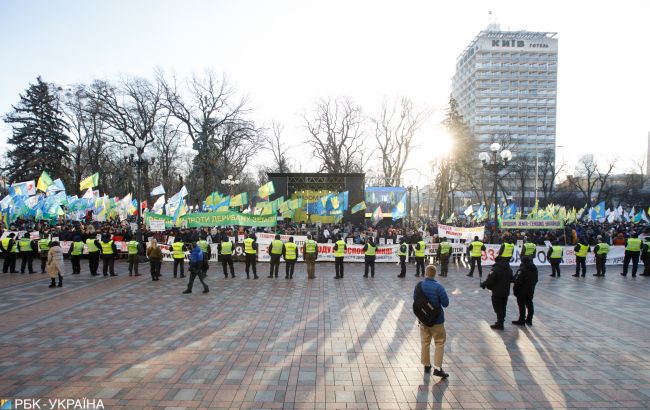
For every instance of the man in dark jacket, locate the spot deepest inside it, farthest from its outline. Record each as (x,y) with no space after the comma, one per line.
(498,281)
(524,289)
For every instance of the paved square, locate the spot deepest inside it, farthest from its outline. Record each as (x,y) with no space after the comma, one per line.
(352,343)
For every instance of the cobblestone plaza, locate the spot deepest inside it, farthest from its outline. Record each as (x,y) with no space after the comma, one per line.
(323,343)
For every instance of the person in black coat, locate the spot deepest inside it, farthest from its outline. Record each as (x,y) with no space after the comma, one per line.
(524,289)
(498,281)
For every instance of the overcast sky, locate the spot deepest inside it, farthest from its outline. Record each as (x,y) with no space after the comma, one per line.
(285,54)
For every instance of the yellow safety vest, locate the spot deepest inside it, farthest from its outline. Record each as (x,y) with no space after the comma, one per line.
(177,250)
(340,251)
(44,245)
(476,252)
(77,248)
(90,243)
(5,244)
(557,252)
(371,251)
(582,252)
(107,247)
(226,248)
(402,250)
(25,245)
(445,248)
(603,249)
(529,249)
(290,251)
(633,245)
(310,246)
(419,253)
(248,246)
(508,248)
(203,245)
(276,247)
(132,247)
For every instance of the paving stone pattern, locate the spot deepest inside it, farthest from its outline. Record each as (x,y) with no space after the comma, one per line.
(319,344)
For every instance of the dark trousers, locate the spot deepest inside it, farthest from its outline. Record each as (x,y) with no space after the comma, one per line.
(444,264)
(475,260)
(499,305)
(133,264)
(206,264)
(581,264)
(251,262)
(93,262)
(197,271)
(154,268)
(108,264)
(9,264)
(419,264)
(646,265)
(274,266)
(369,264)
(631,256)
(290,265)
(179,262)
(402,265)
(525,302)
(43,261)
(226,261)
(76,264)
(600,265)
(338,266)
(555,267)
(26,259)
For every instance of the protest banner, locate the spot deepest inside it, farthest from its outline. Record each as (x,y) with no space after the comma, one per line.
(201,219)
(457,232)
(531,224)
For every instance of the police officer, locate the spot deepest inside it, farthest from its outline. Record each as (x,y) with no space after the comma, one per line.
(529,249)
(554,256)
(444,252)
(250,250)
(205,248)
(26,248)
(420,250)
(43,249)
(75,252)
(108,248)
(225,252)
(645,256)
(133,249)
(8,248)
(402,251)
(93,246)
(632,252)
(581,250)
(506,250)
(339,254)
(290,254)
(475,251)
(178,254)
(310,254)
(275,250)
(601,250)
(370,250)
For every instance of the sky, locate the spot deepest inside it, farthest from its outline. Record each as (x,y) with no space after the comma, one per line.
(284,54)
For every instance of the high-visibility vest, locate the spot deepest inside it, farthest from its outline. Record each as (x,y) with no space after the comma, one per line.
(5,244)
(445,248)
(276,247)
(77,248)
(177,250)
(203,245)
(371,250)
(226,248)
(310,246)
(290,251)
(557,252)
(248,246)
(44,245)
(25,245)
(508,248)
(90,243)
(132,247)
(529,249)
(402,251)
(340,251)
(603,248)
(582,252)
(107,247)
(633,245)
(476,249)
(419,253)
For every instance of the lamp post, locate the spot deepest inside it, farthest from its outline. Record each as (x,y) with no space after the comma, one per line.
(410,190)
(495,163)
(231,183)
(140,162)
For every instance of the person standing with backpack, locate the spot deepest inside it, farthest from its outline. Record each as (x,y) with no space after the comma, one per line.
(196,269)
(438,299)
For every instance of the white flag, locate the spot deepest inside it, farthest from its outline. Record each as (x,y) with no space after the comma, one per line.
(183,192)
(158,205)
(159,190)
(469,211)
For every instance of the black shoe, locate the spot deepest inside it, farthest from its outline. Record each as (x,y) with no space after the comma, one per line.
(206,290)
(552,276)
(595,274)
(529,322)
(233,276)
(106,274)
(52,286)
(270,276)
(186,291)
(519,322)
(623,274)
(137,274)
(417,275)
(634,275)
(427,369)
(372,276)
(256,277)
(113,274)
(182,276)
(576,276)
(440,373)
(276,276)
(470,275)
(336,277)
(60,285)
(365,276)
(497,326)
(286,276)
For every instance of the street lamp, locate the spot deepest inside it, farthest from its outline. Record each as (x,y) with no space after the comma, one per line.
(141,162)
(410,189)
(495,163)
(231,183)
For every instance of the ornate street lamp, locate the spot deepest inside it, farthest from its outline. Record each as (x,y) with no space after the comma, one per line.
(495,163)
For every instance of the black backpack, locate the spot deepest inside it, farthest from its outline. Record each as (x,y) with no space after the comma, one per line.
(423,309)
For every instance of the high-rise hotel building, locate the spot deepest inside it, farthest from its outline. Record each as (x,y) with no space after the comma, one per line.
(506,87)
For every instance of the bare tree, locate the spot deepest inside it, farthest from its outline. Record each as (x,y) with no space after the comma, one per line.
(522,170)
(548,172)
(591,181)
(395,127)
(167,138)
(336,135)
(273,143)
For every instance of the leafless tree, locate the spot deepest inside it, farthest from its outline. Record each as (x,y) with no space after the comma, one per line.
(590,180)
(336,135)
(395,126)
(522,168)
(167,141)
(548,172)
(273,144)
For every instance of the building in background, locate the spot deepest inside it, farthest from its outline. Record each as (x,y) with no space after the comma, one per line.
(506,88)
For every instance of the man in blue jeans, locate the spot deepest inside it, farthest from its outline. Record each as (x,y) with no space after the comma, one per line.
(438,297)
